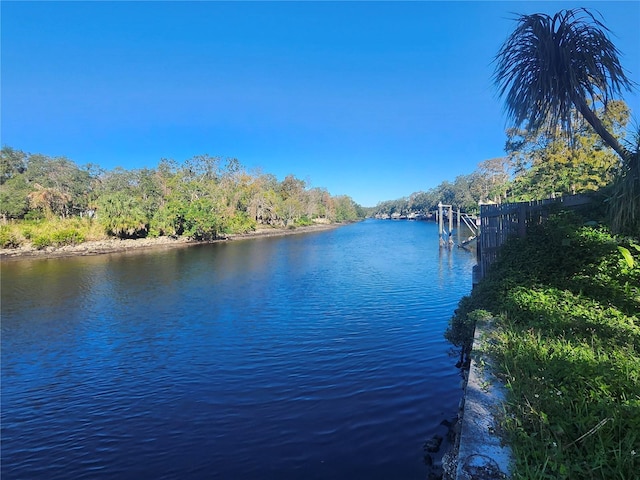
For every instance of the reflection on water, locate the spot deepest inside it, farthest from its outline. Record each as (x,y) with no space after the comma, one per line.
(310,356)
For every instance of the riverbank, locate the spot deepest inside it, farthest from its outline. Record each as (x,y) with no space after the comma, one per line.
(479,451)
(563,338)
(114,245)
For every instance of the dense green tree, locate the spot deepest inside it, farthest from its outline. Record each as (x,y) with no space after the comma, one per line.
(122,215)
(289,210)
(446,192)
(51,186)
(49,200)
(465,193)
(201,219)
(58,186)
(424,201)
(550,65)
(346,209)
(396,207)
(202,197)
(149,189)
(12,163)
(143,186)
(318,205)
(553,164)
(264,207)
(492,178)
(14,194)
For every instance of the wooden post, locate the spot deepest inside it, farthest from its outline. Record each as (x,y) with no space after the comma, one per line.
(440,222)
(450,225)
(458,226)
(522,220)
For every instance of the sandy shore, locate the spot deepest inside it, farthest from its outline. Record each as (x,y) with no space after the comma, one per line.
(121,246)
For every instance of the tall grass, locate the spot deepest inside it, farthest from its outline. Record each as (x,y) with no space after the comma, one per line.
(44,233)
(567,342)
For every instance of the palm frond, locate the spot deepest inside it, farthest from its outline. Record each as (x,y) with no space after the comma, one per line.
(549,62)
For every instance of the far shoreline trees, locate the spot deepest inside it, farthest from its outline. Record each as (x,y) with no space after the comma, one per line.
(559,76)
(201,198)
(537,165)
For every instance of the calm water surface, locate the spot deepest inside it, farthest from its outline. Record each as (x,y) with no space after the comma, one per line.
(315,356)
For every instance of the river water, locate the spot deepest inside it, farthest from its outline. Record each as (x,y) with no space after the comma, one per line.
(312,356)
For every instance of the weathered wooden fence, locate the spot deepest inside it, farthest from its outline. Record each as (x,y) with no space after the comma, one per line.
(499,222)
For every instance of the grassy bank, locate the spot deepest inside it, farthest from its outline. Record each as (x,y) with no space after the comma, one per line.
(55,232)
(567,305)
(74,237)
(60,232)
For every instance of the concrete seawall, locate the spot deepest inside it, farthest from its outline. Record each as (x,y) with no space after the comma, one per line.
(479,449)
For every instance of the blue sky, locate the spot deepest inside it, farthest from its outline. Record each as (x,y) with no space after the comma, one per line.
(375,100)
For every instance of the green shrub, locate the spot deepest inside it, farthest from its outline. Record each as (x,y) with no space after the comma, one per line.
(27,233)
(303,222)
(240,223)
(34,215)
(122,216)
(67,236)
(8,238)
(42,241)
(201,221)
(567,332)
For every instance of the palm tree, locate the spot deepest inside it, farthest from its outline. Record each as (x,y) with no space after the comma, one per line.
(50,200)
(549,65)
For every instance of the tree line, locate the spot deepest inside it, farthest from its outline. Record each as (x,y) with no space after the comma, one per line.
(560,77)
(202,198)
(205,196)
(536,165)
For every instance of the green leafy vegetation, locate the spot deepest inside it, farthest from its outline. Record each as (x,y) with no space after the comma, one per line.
(551,68)
(566,303)
(202,198)
(8,238)
(44,233)
(566,298)
(559,76)
(537,165)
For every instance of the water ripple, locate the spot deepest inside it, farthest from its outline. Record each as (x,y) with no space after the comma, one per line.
(316,356)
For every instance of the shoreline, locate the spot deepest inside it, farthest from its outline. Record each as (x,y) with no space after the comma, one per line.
(113,245)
